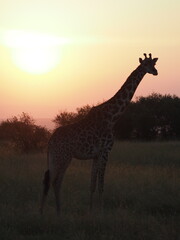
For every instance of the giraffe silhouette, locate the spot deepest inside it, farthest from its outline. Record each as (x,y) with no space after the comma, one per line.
(91,137)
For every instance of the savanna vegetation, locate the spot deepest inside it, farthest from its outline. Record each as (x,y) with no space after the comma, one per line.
(141,200)
(155,117)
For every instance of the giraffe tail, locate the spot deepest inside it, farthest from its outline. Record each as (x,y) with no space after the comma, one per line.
(46,185)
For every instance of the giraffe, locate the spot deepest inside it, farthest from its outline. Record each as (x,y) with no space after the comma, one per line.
(91,137)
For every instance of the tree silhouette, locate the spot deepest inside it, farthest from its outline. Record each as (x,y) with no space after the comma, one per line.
(64,118)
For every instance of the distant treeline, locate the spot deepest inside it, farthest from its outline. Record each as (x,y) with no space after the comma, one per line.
(148,118)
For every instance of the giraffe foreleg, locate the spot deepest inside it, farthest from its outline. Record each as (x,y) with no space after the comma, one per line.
(94,173)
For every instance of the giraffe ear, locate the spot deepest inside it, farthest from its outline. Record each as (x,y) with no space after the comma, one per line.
(140,60)
(155,60)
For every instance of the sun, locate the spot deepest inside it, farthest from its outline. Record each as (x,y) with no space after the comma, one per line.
(36,60)
(34,53)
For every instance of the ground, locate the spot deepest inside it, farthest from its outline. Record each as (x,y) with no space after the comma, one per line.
(141,199)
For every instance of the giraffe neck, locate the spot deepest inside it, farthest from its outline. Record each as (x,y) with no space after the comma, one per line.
(115,106)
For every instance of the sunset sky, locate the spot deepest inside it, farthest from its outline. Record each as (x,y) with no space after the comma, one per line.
(58,55)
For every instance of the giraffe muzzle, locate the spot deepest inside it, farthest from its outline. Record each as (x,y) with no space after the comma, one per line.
(155,73)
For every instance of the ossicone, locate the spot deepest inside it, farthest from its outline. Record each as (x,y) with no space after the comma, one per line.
(148,58)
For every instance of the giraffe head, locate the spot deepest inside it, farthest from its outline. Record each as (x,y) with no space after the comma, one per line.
(149,64)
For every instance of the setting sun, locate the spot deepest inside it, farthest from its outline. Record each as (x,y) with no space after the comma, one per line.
(36,60)
(34,52)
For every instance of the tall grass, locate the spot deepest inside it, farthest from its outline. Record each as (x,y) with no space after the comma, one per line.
(141,199)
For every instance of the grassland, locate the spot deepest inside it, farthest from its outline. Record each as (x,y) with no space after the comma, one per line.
(141,199)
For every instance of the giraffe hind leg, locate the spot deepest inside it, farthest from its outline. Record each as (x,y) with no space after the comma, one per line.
(57,187)
(46,183)
(101,174)
(58,182)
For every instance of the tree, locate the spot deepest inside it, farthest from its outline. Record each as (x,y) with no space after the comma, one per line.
(23,133)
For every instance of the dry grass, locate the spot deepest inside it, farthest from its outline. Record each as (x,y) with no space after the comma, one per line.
(141,199)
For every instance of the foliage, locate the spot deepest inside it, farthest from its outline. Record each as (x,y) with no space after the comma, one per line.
(23,133)
(65,118)
(152,117)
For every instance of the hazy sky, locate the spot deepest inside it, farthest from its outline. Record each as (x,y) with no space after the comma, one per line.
(59,55)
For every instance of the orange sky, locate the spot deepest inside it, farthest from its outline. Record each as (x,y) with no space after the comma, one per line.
(59,55)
